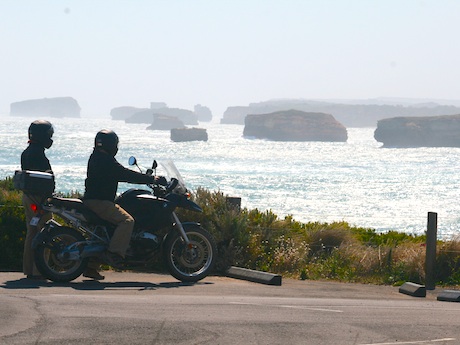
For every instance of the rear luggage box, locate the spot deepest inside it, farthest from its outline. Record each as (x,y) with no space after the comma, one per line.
(34,182)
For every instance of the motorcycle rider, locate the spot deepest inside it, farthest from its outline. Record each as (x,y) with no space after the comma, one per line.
(34,158)
(103,174)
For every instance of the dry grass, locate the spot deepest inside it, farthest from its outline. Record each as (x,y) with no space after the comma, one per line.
(259,240)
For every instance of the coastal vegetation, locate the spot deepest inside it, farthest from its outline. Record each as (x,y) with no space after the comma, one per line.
(261,240)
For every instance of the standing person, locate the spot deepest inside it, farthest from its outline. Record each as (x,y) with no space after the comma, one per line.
(34,158)
(103,174)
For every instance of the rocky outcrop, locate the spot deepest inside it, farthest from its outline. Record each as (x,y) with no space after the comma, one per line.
(188,117)
(158,105)
(123,113)
(165,123)
(46,107)
(236,115)
(189,134)
(203,113)
(295,125)
(433,131)
(350,115)
(144,116)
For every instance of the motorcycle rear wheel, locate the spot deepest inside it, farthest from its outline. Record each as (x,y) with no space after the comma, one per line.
(193,262)
(49,259)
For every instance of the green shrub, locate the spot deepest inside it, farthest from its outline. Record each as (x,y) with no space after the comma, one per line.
(448,262)
(260,240)
(12,227)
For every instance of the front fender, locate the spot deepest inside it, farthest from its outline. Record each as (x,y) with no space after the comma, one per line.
(174,230)
(43,236)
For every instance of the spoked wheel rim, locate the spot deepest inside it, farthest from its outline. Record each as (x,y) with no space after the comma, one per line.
(55,260)
(192,259)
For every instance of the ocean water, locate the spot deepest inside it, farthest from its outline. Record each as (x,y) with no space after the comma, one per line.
(357,181)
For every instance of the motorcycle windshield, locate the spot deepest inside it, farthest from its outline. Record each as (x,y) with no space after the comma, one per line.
(172,172)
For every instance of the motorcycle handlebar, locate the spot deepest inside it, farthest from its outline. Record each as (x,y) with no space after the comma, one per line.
(161,184)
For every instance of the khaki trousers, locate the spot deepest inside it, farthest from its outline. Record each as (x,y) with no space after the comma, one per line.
(115,214)
(28,262)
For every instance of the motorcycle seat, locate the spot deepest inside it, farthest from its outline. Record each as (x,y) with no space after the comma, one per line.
(69,203)
(79,206)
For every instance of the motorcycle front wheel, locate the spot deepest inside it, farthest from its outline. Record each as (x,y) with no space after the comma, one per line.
(53,257)
(192,262)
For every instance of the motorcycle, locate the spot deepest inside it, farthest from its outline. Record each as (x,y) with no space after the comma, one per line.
(62,252)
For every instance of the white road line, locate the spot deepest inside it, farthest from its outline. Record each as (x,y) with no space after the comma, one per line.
(289,306)
(414,342)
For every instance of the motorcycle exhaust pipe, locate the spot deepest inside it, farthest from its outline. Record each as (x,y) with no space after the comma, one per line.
(92,250)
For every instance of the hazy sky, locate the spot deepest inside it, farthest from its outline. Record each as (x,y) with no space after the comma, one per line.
(109,53)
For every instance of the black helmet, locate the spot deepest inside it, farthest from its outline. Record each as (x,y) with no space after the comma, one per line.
(41,131)
(107,140)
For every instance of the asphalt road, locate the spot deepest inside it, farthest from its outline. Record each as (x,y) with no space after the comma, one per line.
(134,308)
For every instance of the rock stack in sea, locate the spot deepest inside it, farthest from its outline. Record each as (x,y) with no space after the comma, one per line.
(46,107)
(165,123)
(295,125)
(433,131)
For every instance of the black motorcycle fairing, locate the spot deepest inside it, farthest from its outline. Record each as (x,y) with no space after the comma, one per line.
(183,202)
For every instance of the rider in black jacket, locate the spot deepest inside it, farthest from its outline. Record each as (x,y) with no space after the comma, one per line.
(103,174)
(33,158)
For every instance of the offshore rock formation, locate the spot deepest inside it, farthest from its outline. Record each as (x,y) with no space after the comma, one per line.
(203,113)
(189,134)
(188,117)
(295,125)
(432,131)
(123,113)
(237,114)
(46,107)
(144,115)
(350,115)
(165,123)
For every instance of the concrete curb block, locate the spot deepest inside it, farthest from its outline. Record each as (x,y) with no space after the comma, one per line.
(449,296)
(254,276)
(413,289)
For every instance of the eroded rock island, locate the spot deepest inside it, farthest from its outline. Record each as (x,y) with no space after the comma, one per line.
(432,131)
(295,125)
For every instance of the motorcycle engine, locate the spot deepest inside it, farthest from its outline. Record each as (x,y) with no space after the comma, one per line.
(145,242)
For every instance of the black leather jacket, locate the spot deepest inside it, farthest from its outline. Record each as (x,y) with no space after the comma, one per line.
(103,174)
(33,158)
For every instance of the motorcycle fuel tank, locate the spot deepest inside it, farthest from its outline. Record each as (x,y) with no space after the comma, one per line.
(149,211)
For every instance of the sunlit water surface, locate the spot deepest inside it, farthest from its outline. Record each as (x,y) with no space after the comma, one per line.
(357,181)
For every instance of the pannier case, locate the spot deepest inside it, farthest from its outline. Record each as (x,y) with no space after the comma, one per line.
(34,182)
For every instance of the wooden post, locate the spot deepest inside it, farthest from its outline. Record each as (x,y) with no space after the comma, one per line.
(234,202)
(430,260)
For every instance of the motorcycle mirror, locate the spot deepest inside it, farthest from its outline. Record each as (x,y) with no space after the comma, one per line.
(132,160)
(154,165)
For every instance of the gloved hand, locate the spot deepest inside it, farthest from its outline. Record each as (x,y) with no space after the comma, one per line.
(161,180)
